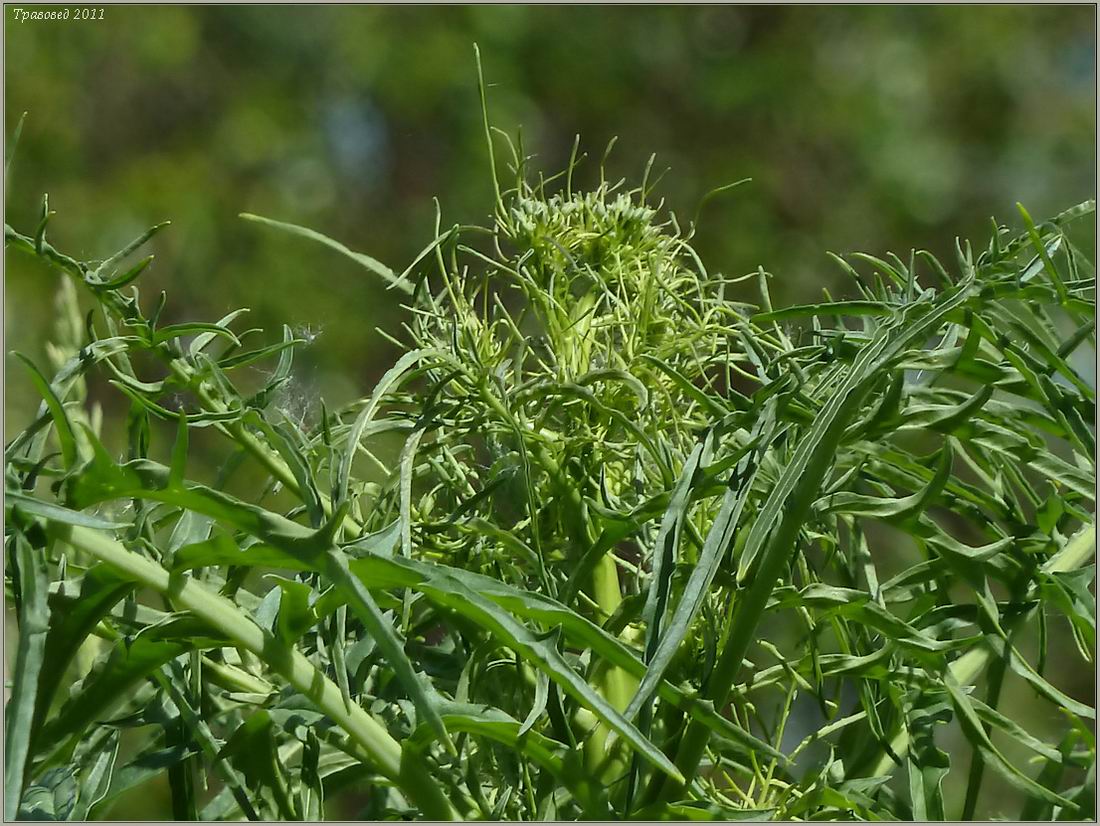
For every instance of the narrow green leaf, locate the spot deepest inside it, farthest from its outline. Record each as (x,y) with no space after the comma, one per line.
(1048,265)
(719,539)
(127,277)
(376,267)
(172,331)
(96,774)
(390,380)
(832,308)
(117,258)
(33,578)
(148,765)
(62,425)
(56,513)
(538,708)
(75,617)
(976,734)
(363,604)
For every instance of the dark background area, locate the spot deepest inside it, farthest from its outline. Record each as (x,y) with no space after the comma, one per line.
(863,128)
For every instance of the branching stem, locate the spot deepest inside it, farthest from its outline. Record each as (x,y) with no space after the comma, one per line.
(368,734)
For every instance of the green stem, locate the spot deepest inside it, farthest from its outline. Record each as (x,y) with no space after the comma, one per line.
(227,676)
(377,745)
(605,585)
(611,681)
(608,765)
(996,678)
(977,761)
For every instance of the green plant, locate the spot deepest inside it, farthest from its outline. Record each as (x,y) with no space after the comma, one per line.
(633,525)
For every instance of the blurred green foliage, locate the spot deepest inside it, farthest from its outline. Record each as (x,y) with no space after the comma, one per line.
(863,128)
(869,128)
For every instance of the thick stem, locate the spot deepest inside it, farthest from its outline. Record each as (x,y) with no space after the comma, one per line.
(611,680)
(619,686)
(376,743)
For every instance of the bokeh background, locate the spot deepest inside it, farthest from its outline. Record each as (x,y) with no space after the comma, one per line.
(863,128)
(870,129)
